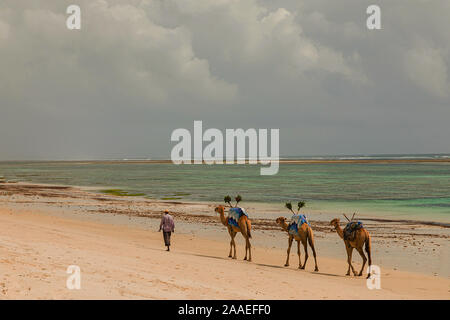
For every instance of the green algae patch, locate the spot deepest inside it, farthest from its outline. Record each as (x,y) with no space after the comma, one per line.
(122,193)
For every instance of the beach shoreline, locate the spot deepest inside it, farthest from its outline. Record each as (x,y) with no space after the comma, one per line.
(405,191)
(68,211)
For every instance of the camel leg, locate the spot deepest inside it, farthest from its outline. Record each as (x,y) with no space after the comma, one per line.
(288,251)
(246,248)
(249,246)
(305,246)
(231,242)
(246,244)
(299,258)
(368,250)
(234,244)
(361,253)
(349,260)
(245,233)
(311,244)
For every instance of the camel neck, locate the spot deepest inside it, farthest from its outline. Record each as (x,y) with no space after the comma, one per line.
(223,218)
(284,225)
(339,231)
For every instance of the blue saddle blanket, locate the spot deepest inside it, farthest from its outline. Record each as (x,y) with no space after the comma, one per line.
(350,228)
(234,214)
(296,222)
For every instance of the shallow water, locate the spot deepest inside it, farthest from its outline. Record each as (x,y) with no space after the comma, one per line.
(405,191)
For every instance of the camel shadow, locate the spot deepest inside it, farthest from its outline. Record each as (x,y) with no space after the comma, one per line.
(269,265)
(329,274)
(207,256)
(254,263)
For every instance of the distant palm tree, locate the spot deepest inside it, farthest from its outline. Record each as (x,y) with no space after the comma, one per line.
(238,199)
(289,206)
(227,199)
(300,204)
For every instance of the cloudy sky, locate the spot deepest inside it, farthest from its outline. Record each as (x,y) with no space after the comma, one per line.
(137,70)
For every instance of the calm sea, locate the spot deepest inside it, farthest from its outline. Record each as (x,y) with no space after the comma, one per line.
(406,191)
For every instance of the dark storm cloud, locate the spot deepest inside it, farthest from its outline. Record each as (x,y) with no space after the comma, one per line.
(139,69)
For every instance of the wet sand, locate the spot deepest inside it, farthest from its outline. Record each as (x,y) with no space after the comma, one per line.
(115,243)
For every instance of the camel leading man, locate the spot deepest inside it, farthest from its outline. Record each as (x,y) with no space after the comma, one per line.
(168,226)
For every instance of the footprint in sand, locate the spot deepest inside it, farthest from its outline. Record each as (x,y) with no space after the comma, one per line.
(3,288)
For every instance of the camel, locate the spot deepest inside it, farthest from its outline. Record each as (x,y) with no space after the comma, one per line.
(362,238)
(305,235)
(245,228)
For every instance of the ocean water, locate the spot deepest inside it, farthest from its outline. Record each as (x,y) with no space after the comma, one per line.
(419,191)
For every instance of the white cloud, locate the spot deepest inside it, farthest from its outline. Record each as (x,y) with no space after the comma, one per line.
(4,30)
(254,37)
(118,49)
(426,67)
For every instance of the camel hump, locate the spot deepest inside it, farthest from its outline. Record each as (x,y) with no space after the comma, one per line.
(237,212)
(235,215)
(297,221)
(351,228)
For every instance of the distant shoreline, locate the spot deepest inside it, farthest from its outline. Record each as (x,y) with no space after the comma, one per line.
(281,161)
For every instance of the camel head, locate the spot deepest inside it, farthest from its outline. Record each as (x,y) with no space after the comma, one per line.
(280,220)
(219,209)
(335,222)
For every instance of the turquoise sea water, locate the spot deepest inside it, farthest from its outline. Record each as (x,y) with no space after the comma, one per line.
(406,191)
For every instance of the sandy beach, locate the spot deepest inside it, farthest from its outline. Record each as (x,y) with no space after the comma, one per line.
(114,241)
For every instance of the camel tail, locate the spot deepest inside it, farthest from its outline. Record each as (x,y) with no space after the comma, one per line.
(367,244)
(310,237)
(249,228)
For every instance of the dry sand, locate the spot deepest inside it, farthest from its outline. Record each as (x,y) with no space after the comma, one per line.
(42,234)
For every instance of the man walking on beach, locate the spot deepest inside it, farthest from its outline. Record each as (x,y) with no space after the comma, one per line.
(168,226)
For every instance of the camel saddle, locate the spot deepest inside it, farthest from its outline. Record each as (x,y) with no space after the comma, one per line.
(234,214)
(297,220)
(350,230)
